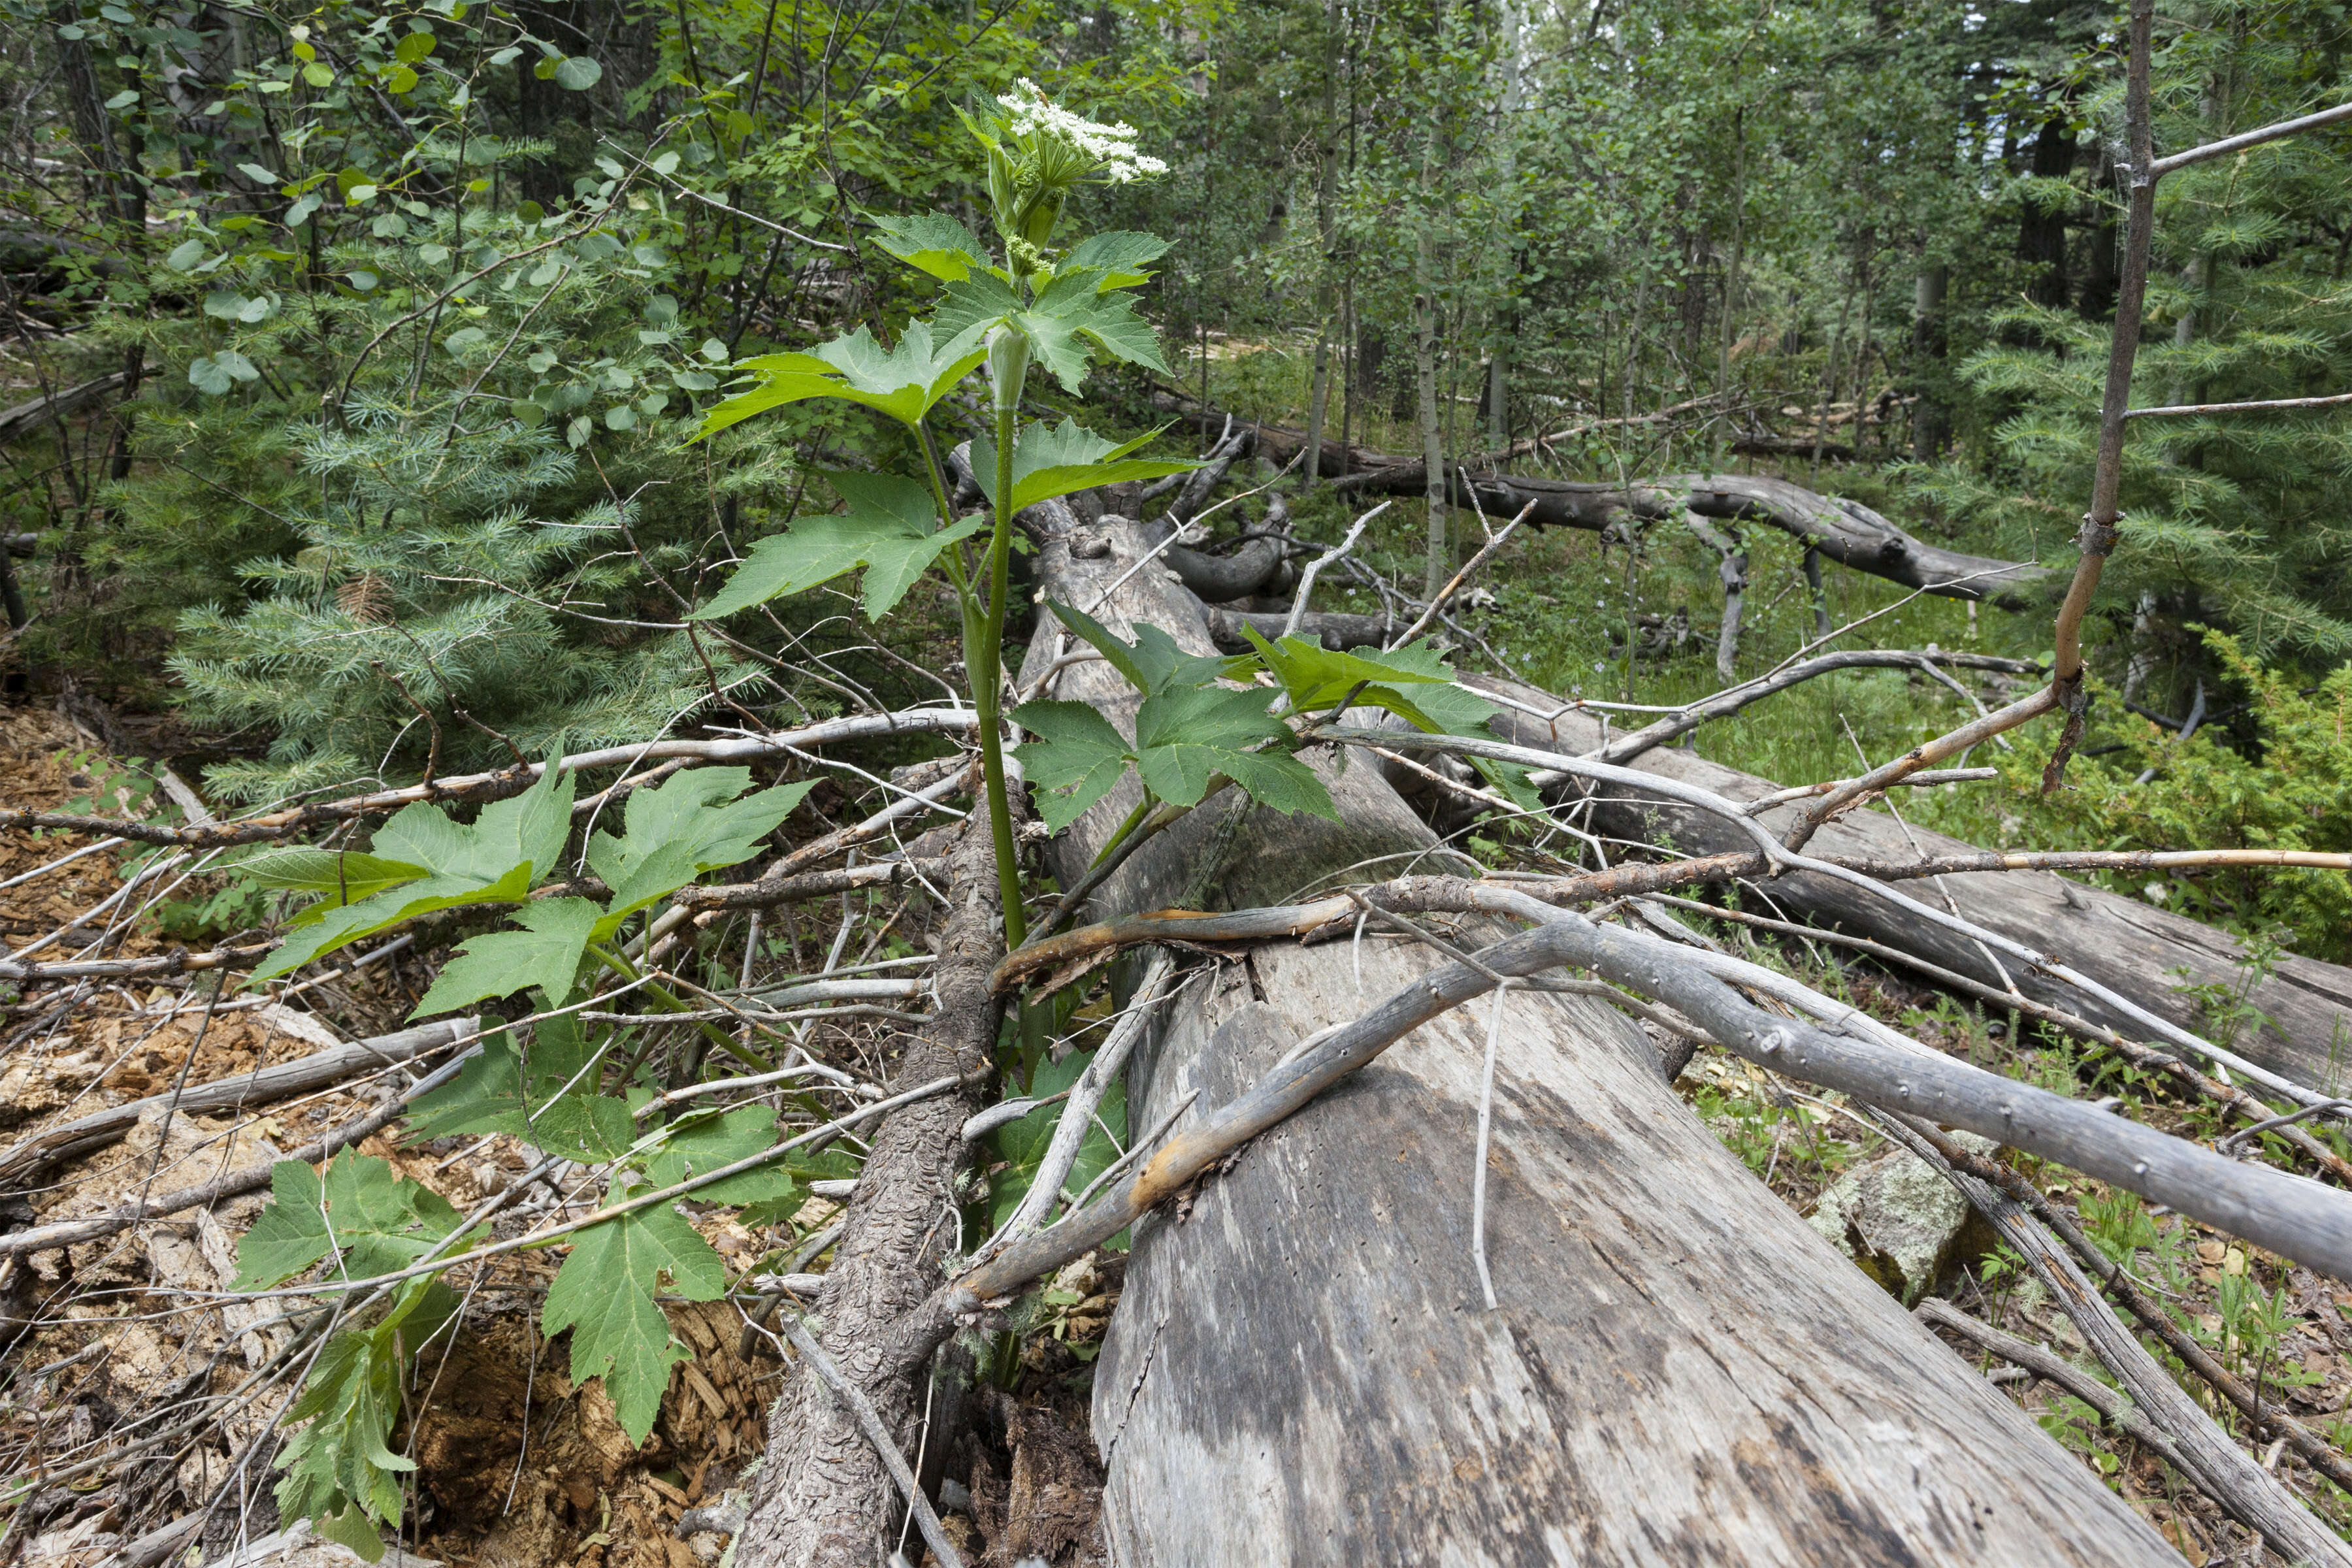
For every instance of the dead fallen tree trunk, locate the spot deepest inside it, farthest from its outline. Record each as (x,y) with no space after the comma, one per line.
(2132,948)
(1334,629)
(824,1496)
(1679,1369)
(1846,530)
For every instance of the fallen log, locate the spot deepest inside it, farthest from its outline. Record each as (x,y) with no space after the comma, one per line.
(1334,629)
(1679,1369)
(824,1494)
(1846,530)
(1219,579)
(2130,947)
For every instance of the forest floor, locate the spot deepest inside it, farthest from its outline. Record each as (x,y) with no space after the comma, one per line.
(516,1468)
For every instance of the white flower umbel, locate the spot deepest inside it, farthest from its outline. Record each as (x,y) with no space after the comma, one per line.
(1111,148)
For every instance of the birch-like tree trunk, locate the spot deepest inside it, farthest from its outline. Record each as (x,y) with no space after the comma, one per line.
(1424,360)
(1499,366)
(1326,180)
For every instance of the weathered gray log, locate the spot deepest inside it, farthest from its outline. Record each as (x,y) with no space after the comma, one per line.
(2130,947)
(24,418)
(1218,579)
(1680,1370)
(1844,531)
(1335,631)
(263,1086)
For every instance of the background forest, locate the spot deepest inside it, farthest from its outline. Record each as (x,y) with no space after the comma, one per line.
(367,375)
(1872,246)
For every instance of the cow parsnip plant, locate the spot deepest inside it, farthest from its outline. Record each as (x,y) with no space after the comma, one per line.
(1203,725)
(1024,304)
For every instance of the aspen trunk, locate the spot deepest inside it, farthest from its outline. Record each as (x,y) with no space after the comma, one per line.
(1424,367)
(1302,1368)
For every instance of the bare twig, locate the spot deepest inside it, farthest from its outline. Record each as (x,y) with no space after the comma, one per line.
(1307,574)
(869,1421)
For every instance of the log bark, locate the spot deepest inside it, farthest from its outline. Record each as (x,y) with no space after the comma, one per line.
(2133,948)
(1679,1371)
(1219,579)
(825,1498)
(1335,631)
(1844,531)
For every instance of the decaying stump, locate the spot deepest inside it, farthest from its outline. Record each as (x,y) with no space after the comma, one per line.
(1302,1368)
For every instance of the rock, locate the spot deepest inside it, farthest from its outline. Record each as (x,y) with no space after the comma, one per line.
(1901,1222)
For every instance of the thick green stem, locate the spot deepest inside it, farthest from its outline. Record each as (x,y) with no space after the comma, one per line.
(985,661)
(668,1000)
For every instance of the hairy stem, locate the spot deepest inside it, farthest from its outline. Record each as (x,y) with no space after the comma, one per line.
(983,656)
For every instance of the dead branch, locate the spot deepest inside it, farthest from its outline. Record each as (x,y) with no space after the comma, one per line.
(500,785)
(772,891)
(2006,1183)
(2220,1469)
(1731,699)
(263,1085)
(203,1194)
(2047,1364)
(2289,1214)
(1925,755)
(2133,948)
(181,961)
(2147,1056)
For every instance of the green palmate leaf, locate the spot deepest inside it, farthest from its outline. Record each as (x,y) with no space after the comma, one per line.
(549,1101)
(933,242)
(380,1222)
(1055,460)
(972,304)
(1023,1143)
(605,1295)
(1152,661)
(340,1467)
(1071,319)
(1186,737)
(545,954)
(346,877)
(888,530)
(674,831)
(1412,682)
(494,859)
(703,1143)
(902,382)
(1076,760)
(1119,257)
